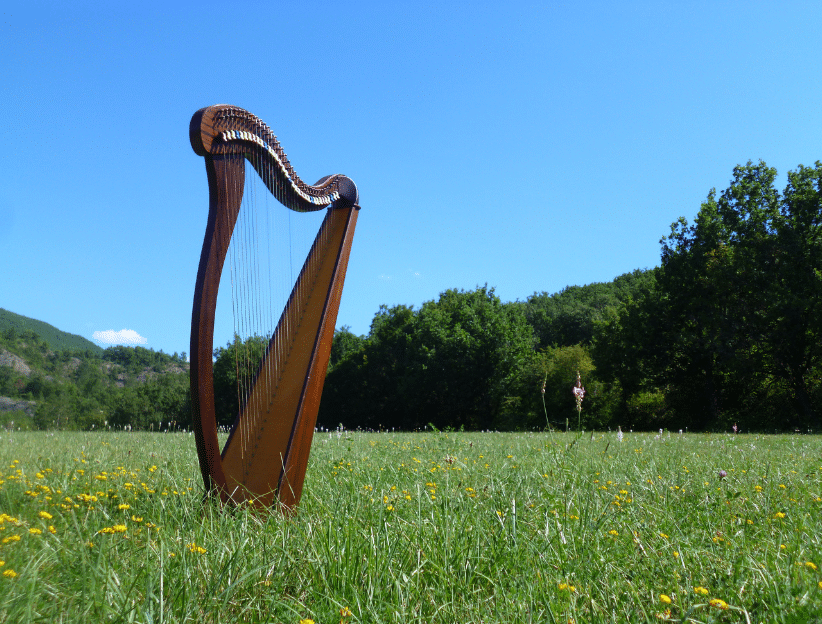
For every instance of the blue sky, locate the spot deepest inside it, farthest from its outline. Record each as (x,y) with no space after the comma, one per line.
(529,146)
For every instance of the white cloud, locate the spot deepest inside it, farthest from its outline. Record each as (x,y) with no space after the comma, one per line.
(124,336)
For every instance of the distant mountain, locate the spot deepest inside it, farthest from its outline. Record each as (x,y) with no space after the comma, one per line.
(56,339)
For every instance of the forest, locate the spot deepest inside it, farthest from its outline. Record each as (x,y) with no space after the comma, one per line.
(117,387)
(726,331)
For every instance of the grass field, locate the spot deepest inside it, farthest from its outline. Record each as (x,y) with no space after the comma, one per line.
(436,527)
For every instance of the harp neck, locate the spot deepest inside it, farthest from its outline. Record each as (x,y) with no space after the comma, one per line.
(225,129)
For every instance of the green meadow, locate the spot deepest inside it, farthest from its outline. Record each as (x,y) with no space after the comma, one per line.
(426,527)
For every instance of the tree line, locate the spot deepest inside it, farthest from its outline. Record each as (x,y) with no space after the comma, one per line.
(731,330)
(726,330)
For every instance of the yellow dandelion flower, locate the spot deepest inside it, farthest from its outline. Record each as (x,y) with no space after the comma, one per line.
(779,515)
(345,612)
(136,518)
(45,515)
(124,506)
(306,621)
(613,532)
(567,587)
(701,591)
(719,604)
(194,548)
(665,599)
(811,565)
(35,531)
(663,536)
(820,584)
(52,529)
(2,563)
(9,573)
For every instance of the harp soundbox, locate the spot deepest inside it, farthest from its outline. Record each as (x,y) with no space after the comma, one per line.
(265,457)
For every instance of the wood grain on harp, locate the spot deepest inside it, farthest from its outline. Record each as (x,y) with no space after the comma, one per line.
(266,455)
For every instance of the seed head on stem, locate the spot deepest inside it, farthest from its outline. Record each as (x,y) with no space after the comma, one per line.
(579,393)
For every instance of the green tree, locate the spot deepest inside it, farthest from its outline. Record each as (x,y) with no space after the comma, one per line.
(235,368)
(745,281)
(570,316)
(732,330)
(373,387)
(89,378)
(470,349)
(9,382)
(344,344)
(165,399)
(555,369)
(793,322)
(453,363)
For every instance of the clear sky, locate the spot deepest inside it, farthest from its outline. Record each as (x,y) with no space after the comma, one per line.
(529,146)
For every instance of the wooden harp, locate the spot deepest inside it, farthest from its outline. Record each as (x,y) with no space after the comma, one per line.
(265,457)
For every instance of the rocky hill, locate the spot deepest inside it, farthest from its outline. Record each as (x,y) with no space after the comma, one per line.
(44,387)
(16,363)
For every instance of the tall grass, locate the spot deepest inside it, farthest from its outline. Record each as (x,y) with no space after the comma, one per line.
(440,527)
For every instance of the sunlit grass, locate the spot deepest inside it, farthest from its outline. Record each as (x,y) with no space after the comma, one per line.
(439,527)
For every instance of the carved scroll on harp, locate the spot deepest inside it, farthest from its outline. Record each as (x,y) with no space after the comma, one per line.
(265,457)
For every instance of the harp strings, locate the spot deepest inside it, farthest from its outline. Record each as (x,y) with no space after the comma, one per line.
(266,255)
(253,239)
(239,287)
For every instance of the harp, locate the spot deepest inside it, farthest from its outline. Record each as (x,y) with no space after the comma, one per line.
(265,457)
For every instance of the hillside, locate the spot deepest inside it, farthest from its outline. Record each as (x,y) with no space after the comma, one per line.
(119,387)
(57,340)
